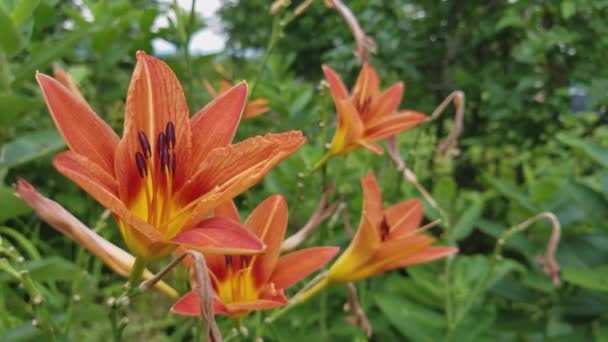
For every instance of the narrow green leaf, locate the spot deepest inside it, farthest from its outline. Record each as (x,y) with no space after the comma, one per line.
(11,106)
(10,41)
(28,147)
(512,193)
(23,10)
(592,278)
(466,222)
(594,151)
(12,206)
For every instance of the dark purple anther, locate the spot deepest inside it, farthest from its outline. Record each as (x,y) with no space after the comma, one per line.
(164,159)
(170,132)
(384,229)
(161,143)
(173,163)
(141,164)
(228,259)
(145,144)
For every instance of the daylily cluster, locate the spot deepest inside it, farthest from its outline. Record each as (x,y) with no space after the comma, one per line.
(170,180)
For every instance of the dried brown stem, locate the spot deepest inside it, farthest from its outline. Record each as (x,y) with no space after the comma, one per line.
(365,44)
(358,319)
(201,285)
(323,211)
(548,261)
(450,142)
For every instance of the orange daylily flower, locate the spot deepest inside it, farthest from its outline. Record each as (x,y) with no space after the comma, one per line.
(367,114)
(387,238)
(168,172)
(252,108)
(249,283)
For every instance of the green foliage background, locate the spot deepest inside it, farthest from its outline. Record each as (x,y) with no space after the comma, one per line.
(523,151)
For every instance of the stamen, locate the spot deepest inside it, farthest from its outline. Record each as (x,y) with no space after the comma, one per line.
(228,259)
(164,160)
(145,144)
(141,164)
(384,229)
(170,133)
(244,261)
(162,143)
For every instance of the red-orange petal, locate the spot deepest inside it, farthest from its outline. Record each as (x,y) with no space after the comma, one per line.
(367,85)
(268,221)
(83,131)
(220,236)
(295,266)
(189,305)
(155,98)
(230,170)
(215,125)
(393,124)
(228,210)
(256,107)
(89,177)
(387,103)
(336,86)
(349,129)
(426,255)
(404,218)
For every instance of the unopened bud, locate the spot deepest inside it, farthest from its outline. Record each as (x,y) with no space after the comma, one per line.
(37,300)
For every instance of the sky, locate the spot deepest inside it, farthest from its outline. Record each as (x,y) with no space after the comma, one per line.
(209,40)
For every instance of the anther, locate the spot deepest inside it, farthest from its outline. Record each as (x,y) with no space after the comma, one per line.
(228,259)
(170,133)
(145,144)
(244,261)
(141,164)
(384,229)
(164,159)
(161,144)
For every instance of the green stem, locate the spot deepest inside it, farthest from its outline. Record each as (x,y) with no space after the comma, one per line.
(275,35)
(137,272)
(327,156)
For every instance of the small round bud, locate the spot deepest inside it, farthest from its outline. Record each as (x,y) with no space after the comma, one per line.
(37,300)
(111,301)
(35,322)
(76,298)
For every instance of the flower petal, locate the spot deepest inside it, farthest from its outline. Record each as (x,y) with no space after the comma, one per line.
(404,218)
(190,305)
(230,170)
(83,131)
(256,107)
(228,210)
(268,221)
(367,85)
(393,124)
(295,266)
(154,99)
(215,124)
(387,103)
(220,236)
(336,86)
(90,177)
(237,309)
(426,255)
(349,128)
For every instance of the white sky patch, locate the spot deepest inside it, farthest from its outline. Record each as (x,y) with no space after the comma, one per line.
(210,39)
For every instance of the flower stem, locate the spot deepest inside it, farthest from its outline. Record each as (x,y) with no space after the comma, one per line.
(322,161)
(137,272)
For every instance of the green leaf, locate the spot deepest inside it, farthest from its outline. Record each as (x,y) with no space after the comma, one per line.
(568,8)
(23,10)
(594,151)
(26,244)
(11,106)
(591,202)
(28,147)
(10,40)
(592,278)
(466,222)
(512,193)
(415,322)
(53,269)
(12,206)
(44,57)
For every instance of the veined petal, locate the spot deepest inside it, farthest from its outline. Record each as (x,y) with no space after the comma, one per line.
(268,221)
(336,86)
(388,102)
(238,309)
(87,175)
(389,255)
(190,305)
(215,124)
(155,98)
(220,236)
(230,170)
(426,255)
(228,210)
(295,266)
(367,85)
(83,131)
(404,218)
(349,128)
(393,124)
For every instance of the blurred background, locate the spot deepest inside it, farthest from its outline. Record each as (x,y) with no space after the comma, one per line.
(535,139)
